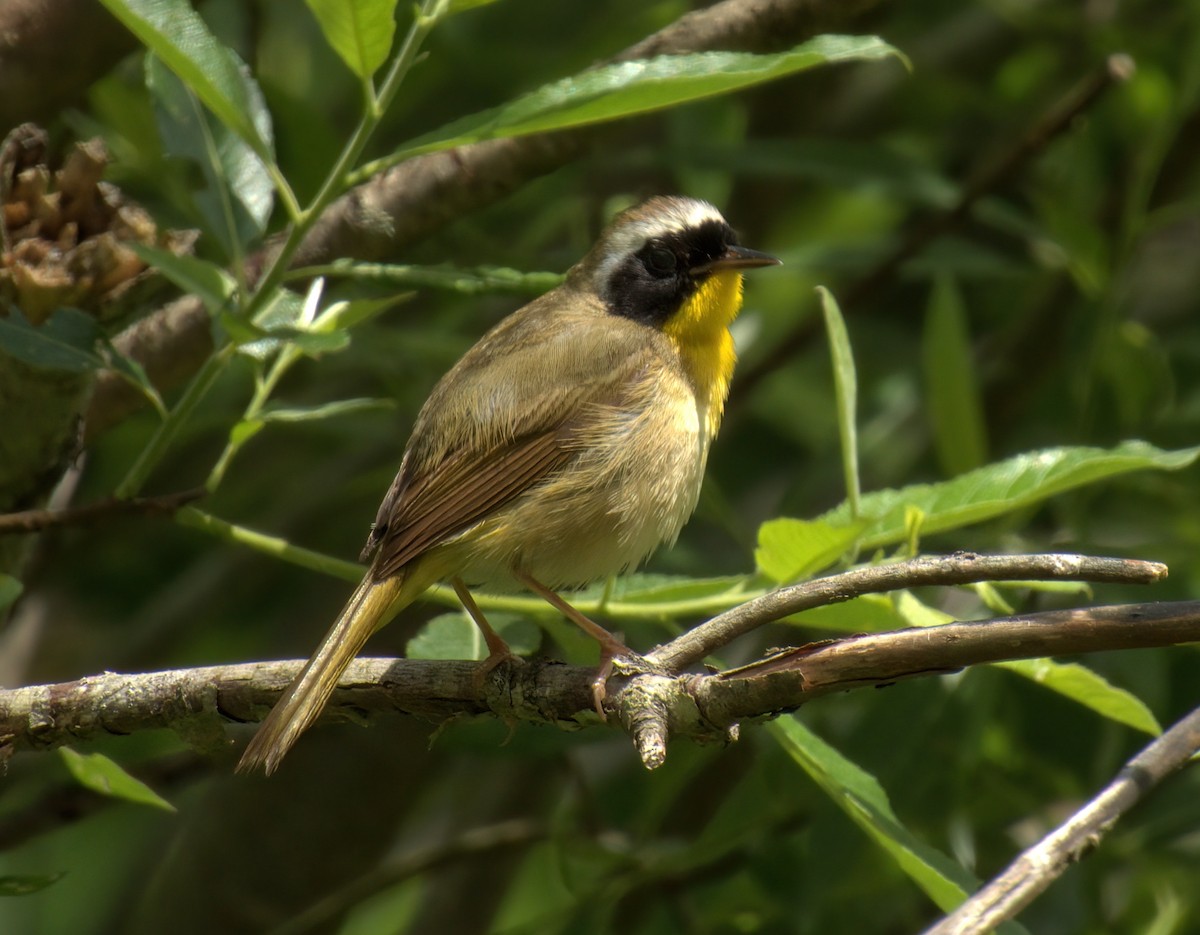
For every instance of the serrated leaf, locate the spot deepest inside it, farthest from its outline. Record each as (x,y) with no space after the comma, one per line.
(790,549)
(323,411)
(628,88)
(235,203)
(845,384)
(10,590)
(1088,688)
(97,772)
(952,395)
(360,31)
(455,636)
(175,32)
(67,340)
(1001,488)
(24,884)
(864,800)
(206,281)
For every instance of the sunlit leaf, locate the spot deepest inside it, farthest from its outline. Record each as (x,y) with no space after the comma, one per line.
(1002,487)
(629,88)
(175,32)
(790,549)
(235,203)
(97,772)
(1088,688)
(1071,680)
(360,31)
(455,636)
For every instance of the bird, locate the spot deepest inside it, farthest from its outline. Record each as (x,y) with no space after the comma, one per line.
(562,448)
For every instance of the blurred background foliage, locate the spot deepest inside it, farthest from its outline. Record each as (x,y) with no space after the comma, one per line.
(1073,289)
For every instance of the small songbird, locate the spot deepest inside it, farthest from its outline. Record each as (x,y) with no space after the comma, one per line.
(563,447)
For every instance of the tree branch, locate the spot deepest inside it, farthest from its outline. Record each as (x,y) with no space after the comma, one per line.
(1039,866)
(960,568)
(381,218)
(199,703)
(27,521)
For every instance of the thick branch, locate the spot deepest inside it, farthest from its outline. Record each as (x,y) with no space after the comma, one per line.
(50,53)
(1039,866)
(199,703)
(382,217)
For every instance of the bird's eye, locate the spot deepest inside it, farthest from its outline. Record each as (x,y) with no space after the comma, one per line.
(660,260)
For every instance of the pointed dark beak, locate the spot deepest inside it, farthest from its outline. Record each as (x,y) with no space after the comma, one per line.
(736,258)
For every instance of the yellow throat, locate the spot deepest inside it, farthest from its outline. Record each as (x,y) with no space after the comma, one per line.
(700,333)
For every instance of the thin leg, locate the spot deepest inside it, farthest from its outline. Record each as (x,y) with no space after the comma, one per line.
(610,646)
(498,650)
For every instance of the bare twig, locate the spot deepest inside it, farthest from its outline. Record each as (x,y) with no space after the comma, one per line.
(960,568)
(27,521)
(1059,118)
(1039,866)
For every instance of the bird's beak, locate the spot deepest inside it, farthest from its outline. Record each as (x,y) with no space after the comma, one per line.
(736,258)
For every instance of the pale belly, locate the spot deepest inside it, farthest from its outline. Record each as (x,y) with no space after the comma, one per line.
(631,487)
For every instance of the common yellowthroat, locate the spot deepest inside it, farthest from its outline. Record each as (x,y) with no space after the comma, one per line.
(563,447)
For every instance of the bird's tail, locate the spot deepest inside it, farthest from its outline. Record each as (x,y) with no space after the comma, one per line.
(372,605)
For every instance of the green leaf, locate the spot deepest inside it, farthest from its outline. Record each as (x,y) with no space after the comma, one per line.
(25,884)
(870,613)
(461,6)
(67,340)
(863,799)
(951,391)
(1001,488)
(1088,688)
(174,31)
(455,636)
(10,590)
(206,281)
(629,88)
(342,316)
(134,374)
(324,411)
(845,384)
(790,549)
(97,772)
(360,31)
(1069,679)
(235,203)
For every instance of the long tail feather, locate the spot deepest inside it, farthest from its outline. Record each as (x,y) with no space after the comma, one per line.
(371,605)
